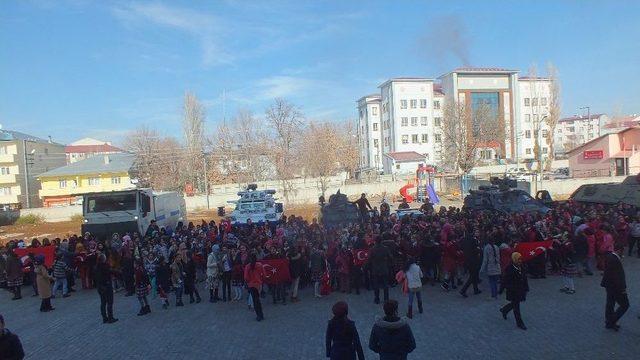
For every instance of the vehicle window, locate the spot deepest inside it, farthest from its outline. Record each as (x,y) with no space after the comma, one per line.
(111,202)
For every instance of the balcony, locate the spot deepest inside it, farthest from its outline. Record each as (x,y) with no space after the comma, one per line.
(8,179)
(8,158)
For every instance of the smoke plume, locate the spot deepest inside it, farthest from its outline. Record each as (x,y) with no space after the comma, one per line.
(446,37)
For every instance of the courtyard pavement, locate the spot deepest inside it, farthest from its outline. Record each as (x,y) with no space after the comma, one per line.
(561,326)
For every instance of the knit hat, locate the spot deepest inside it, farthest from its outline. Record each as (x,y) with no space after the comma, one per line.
(340,309)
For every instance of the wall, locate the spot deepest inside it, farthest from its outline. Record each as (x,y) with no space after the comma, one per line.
(51,185)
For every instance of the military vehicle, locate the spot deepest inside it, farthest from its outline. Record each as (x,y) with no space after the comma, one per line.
(503,197)
(338,211)
(626,192)
(259,206)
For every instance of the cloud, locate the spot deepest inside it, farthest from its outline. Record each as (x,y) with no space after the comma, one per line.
(206,28)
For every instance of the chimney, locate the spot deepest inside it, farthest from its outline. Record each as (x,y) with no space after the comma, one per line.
(107,160)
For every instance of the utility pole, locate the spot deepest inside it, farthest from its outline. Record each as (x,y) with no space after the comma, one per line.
(206,178)
(27,162)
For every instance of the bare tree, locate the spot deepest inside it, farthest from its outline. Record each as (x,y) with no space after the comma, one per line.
(158,159)
(554,112)
(350,156)
(320,152)
(285,121)
(466,131)
(193,127)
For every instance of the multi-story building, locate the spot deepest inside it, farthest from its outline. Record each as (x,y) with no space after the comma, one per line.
(22,158)
(619,123)
(110,172)
(412,113)
(369,134)
(88,147)
(576,130)
(407,116)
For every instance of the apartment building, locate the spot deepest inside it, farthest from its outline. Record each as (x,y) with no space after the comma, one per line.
(88,147)
(533,108)
(369,134)
(576,130)
(22,158)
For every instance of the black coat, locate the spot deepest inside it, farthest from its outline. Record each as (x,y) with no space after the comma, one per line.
(343,341)
(163,276)
(613,278)
(392,339)
(102,277)
(380,260)
(515,282)
(10,346)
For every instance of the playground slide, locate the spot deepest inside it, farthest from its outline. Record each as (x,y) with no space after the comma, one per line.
(433,197)
(403,192)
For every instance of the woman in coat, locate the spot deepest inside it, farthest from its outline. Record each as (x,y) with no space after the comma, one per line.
(43,282)
(515,281)
(491,265)
(14,274)
(342,339)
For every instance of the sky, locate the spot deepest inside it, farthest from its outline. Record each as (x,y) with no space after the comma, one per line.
(79,68)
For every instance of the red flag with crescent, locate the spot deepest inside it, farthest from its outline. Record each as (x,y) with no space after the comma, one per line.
(49,253)
(360,256)
(531,249)
(276,271)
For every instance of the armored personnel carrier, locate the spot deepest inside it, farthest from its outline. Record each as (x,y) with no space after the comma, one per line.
(338,211)
(626,192)
(503,197)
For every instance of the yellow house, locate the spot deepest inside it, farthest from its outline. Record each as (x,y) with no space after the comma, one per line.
(100,173)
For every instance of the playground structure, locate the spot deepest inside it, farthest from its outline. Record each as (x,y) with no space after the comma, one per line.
(423,182)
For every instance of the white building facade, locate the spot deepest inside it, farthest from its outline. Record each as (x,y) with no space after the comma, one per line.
(574,131)
(533,108)
(369,133)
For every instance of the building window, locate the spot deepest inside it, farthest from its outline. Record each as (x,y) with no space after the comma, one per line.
(414,104)
(4,150)
(535,133)
(374,110)
(571,129)
(384,108)
(534,101)
(527,134)
(414,121)
(377,158)
(528,151)
(414,138)
(403,104)
(526,101)
(5,171)
(405,139)
(404,121)
(437,121)
(560,131)
(375,126)
(423,103)
(398,166)
(536,118)
(423,121)
(62,183)
(436,104)
(527,118)
(545,150)
(94,181)
(115,180)
(543,101)
(545,133)
(5,190)
(485,154)
(437,138)
(425,138)
(375,143)
(386,141)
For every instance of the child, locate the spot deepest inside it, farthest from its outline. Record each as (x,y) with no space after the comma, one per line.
(411,284)
(142,287)
(569,270)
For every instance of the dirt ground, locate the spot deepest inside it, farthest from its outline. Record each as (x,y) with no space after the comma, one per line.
(66,228)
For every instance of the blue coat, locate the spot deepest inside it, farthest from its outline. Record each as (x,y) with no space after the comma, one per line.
(343,341)
(392,339)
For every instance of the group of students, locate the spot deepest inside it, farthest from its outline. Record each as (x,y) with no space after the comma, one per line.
(441,246)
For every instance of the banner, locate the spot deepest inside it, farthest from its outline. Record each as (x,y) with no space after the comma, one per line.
(276,271)
(49,253)
(531,249)
(360,256)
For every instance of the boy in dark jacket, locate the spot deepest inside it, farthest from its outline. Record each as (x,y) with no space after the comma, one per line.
(10,345)
(391,336)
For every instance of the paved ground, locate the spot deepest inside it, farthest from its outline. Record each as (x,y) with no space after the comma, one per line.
(560,326)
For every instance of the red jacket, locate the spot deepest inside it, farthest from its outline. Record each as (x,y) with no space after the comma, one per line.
(254,277)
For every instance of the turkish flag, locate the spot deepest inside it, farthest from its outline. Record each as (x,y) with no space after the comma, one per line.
(360,256)
(531,249)
(276,271)
(49,253)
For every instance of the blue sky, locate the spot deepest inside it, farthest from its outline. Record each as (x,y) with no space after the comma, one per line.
(76,68)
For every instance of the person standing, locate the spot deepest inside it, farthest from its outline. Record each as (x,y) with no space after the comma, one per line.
(363,207)
(177,278)
(471,251)
(10,345)
(254,275)
(14,275)
(190,280)
(380,262)
(104,285)
(142,284)
(391,337)
(60,269)
(517,286)
(615,283)
(213,281)
(43,283)
(634,236)
(296,268)
(342,340)
(491,265)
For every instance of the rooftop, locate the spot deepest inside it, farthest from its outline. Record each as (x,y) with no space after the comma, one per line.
(621,132)
(369,97)
(83,149)
(479,70)
(116,163)
(10,135)
(530,78)
(405,156)
(581,117)
(405,79)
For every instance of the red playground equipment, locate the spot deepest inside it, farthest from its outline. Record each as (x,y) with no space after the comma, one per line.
(423,182)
